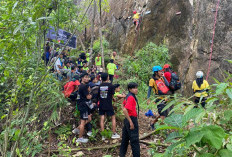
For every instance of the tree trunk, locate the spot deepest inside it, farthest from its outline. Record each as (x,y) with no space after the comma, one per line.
(92,34)
(100,33)
(79,38)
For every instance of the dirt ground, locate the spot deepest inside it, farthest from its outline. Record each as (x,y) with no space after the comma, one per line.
(114,152)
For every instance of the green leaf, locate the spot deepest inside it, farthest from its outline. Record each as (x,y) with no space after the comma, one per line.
(16,3)
(192,114)
(229,147)
(166,127)
(44,18)
(228,114)
(229,93)
(173,135)
(221,87)
(207,155)
(225,153)
(174,145)
(169,105)
(17,28)
(174,120)
(213,135)
(194,137)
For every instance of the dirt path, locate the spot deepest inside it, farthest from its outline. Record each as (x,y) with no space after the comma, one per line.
(143,130)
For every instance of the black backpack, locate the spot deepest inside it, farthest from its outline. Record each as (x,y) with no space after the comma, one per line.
(175,83)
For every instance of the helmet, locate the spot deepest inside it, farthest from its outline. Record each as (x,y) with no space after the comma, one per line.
(199,74)
(156,68)
(134,12)
(166,66)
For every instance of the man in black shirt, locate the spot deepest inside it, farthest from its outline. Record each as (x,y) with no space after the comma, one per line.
(105,95)
(84,96)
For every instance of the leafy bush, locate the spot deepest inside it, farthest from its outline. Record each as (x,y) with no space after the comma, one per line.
(97,45)
(204,131)
(139,67)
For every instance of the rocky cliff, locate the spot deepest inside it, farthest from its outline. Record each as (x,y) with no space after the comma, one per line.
(188,34)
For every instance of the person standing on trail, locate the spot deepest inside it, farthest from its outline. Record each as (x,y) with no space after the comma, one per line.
(114,54)
(105,96)
(47,54)
(136,19)
(98,61)
(84,96)
(200,88)
(172,78)
(130,131)
(159,84)
(111,67)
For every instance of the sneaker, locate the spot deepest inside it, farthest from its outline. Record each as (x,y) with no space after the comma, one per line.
(82,140)
(76,131)
(103,138)
(115,135)
(89,133)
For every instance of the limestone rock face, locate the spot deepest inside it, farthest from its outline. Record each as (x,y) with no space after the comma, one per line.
(188,34)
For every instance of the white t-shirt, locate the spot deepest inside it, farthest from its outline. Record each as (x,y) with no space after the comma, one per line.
(58,62)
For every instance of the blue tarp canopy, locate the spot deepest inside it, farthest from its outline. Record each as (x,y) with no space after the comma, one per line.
(63,36)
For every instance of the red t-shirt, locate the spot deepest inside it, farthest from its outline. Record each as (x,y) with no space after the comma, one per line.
(130,105)
(69,88)
(168,76)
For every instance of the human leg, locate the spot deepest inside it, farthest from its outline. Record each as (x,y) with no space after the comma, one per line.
(125,139)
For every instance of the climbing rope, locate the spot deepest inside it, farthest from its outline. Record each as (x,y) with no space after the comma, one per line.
(211,50)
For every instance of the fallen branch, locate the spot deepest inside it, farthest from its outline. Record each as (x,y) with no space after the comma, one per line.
(151,143)
(109,146)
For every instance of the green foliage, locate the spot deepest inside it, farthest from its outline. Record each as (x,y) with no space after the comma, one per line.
(30,97)
(106,133)
(97,45)
(138,68)
(64,132)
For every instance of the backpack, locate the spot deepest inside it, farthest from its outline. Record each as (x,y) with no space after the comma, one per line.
(175,83)
(161,86)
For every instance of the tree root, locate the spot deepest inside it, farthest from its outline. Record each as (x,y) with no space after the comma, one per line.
(109,146)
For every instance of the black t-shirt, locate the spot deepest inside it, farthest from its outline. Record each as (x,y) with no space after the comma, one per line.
(83,92)
(105,95)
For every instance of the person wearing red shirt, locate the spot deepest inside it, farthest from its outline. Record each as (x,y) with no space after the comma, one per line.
(130,131)
(167,72)
(71,87)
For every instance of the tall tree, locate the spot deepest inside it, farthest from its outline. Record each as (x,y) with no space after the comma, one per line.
(101,38)
(92,32)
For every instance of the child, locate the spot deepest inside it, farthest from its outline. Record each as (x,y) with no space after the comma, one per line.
(117,94)
(130,131)
(105,95)
(111,67)
(85,97)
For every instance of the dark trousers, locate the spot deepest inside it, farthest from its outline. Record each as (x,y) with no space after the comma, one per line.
(197,100)
(132,136)
(111,77)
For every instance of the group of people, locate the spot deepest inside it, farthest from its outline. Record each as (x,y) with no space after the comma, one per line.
(91,90)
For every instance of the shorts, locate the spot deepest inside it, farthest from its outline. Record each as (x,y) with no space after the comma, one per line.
(84,111)
(160,107)
(107,112)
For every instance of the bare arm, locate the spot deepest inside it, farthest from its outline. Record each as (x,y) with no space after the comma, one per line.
(128,118)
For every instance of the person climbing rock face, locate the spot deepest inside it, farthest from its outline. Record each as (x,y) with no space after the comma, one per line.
(136,19)
(159,84)
(200,88)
